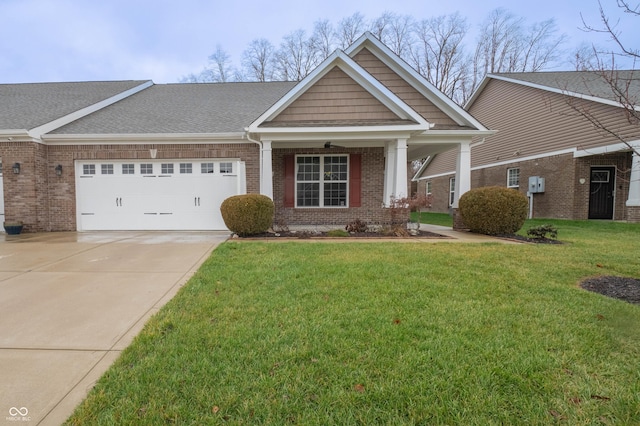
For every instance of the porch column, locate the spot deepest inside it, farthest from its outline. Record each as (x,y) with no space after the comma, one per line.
(634,182)
(463,172)
(266,170)
(389,172)
(400,189)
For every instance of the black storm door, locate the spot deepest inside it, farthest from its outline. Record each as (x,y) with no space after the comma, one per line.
(601,187)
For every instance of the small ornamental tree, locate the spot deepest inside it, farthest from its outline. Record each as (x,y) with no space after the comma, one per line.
(493,210)
(248,214)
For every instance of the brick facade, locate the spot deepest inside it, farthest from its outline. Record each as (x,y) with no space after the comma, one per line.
(565,197)
(371,211)
(47,202)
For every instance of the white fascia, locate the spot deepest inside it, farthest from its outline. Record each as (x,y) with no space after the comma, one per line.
(164,138)
(607,149)
(37,132)
(359,75)
(511,161)
(415,79)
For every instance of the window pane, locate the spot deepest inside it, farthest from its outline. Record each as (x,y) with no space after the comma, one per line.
(128,169)
(600,176)
(308,168)
(146,169)
(335,194)
(167,169)
(226,167)
(88,169)
(308,194)
(206,168)
(513,177)
(335,168)
(185,168)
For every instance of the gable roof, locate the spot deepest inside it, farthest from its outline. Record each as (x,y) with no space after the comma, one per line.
(415,79)
(32,105)
(412,121)
(183,108)
(591,85)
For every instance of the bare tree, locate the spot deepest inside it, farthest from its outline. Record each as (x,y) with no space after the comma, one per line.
(439,53)
(323,38)
(349,29)
(296,57)
(221,69)
(257,60)
(505,45)
(583,57)
(397,33)
(623,87)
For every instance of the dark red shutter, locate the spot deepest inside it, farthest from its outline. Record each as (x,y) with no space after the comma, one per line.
(355,180)
(289,180)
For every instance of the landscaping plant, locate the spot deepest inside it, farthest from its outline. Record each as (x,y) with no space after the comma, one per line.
(493,210)
(248,214)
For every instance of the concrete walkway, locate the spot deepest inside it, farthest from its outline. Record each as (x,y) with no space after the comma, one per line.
(71,302)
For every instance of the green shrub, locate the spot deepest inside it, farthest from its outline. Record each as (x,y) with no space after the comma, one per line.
(338,233)
(248,214)
(493,210)
(540,232)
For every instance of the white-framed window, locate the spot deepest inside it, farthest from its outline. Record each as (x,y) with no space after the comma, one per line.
(186,168)
(88,169)
(106,169)
(206,168)
(166,168)
(128,169)
(429,187)
(513,177)
(452,190)
(226,167)
(146,169)
(322,180)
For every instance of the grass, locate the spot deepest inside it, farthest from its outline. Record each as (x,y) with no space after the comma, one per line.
(388,333)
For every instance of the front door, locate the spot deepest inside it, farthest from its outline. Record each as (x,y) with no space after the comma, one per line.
(601,192)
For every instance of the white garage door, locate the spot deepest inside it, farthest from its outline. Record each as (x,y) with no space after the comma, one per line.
(155,195)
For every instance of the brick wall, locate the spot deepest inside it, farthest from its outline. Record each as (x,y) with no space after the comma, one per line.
(371,211)
(47,202)
(564,197)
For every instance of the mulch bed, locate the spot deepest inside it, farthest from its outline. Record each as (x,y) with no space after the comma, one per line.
(320,234)
(627,289)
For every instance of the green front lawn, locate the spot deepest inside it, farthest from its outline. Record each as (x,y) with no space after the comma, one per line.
(389,333)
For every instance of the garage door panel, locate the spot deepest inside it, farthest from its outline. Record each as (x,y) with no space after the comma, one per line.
(155,201)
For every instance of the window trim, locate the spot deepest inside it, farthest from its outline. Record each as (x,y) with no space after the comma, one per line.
(509,171)
(452,190)
(321,181)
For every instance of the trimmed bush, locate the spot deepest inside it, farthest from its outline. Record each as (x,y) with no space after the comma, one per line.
(248,214)
(493,210)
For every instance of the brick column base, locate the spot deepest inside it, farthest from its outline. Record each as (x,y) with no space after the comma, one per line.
(633,214)
(458,224)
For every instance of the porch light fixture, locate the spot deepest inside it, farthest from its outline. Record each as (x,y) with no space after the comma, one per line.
(16,168)
(59,170)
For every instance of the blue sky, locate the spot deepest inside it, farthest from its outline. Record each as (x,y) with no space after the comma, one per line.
(163,40)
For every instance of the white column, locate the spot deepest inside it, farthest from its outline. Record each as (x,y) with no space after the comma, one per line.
(634,182)
(463,172)
(389,172)
(266,170)
(400,189)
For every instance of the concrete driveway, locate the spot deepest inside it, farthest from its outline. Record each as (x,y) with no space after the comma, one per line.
(71,302)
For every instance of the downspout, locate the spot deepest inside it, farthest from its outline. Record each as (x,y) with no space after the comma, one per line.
(246,133)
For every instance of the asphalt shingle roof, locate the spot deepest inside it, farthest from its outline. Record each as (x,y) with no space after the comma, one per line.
(591,83)
(26,106)
(183,108)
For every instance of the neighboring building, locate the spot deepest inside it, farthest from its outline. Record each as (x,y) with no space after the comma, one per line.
(588,173)
(132,155)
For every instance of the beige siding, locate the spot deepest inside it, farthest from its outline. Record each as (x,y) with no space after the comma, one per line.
(532,122)
(335,97)
(402,89)
(443,163)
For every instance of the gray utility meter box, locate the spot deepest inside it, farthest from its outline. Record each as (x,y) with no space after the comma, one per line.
(536,184)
